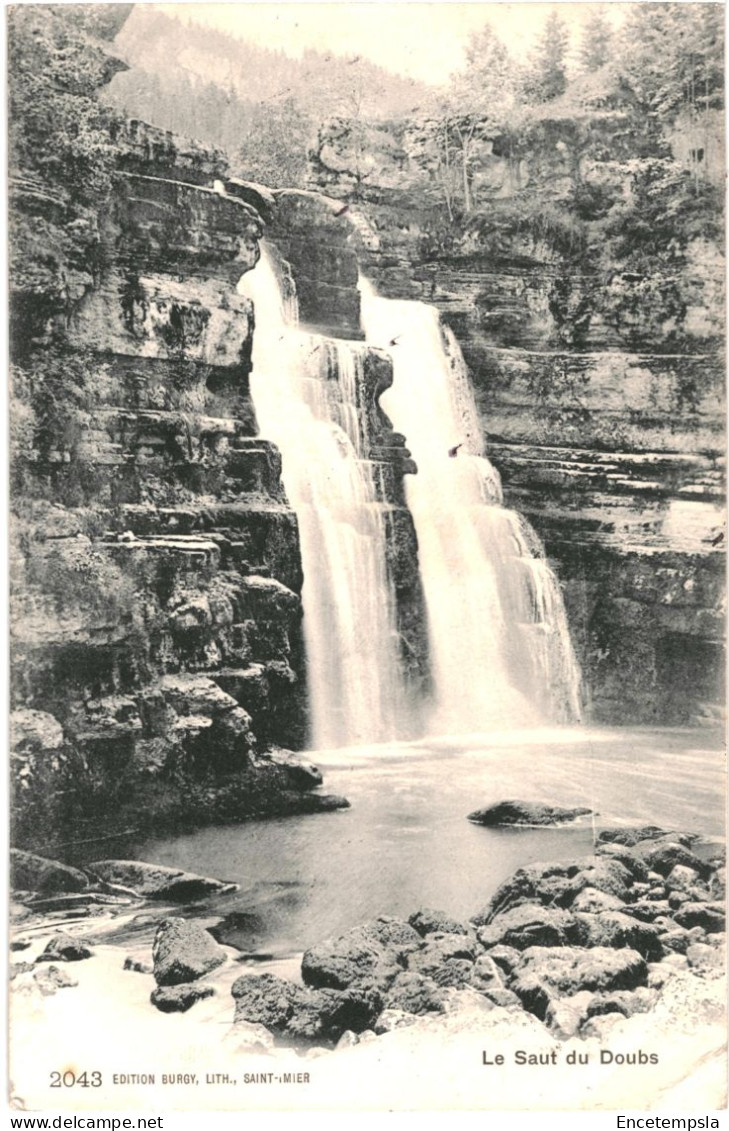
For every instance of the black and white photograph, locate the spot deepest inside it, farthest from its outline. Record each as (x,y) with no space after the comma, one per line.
(367,550)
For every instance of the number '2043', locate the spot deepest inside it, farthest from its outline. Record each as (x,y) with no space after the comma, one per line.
(72,1080)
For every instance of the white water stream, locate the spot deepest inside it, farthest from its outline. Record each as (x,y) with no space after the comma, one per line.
(500,650)
(304,391)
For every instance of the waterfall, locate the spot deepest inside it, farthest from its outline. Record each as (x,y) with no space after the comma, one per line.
(304,389)
(500,650)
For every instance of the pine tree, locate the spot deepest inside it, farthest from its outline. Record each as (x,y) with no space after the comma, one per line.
(548,77)
(597,42)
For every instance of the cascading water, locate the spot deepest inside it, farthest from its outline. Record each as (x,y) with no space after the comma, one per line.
(353,669)
(500,650)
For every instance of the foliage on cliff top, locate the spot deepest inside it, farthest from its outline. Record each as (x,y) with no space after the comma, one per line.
(61,152)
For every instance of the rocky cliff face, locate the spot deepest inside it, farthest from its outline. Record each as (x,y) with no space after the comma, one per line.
(600,390)
(158,661)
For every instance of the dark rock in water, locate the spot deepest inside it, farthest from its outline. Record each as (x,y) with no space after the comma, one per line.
(370,952)
(300,774)
(51,979)
(548,972)
(710,916)
(19,944)
(29,872)
(632,836)
(427,922)
(137,966)
(413,993)
(525,813)
(155,881)
(183,951)
(529,925)
(612,928)
(65,948)
(179,998)
(264,999)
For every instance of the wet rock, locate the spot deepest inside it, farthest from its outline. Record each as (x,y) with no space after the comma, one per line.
(505,999)
(681,878)
(648,910)
(155,881)
(622,1001)
(633,836)
(51,979)
(565,1015)
(592,901)
(717,885)
(543,883)
(529,925)
(440,948)
(663,855)
(604,874)
(19,944)
(326,1014)
(391,1019)
(138,967)
(372,952)
(525,813)
(612,928)
(299,773)
(264,999)
(414,993)
(183,951)
(427,922)
(29,872)
(181,997)
(65,948)
(637,867)
(505,957)
(455,974)
(548,972)
(676,940)
(710,916)
(485,974)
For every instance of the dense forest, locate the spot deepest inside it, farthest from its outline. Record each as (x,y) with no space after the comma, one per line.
(663,65)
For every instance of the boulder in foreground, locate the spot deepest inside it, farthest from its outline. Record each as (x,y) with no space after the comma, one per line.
(183,951)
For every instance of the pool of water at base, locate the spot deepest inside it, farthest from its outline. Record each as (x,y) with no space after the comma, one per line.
(406,842)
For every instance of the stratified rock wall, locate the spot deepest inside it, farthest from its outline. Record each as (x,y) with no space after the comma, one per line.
(156,567)
(601,392)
